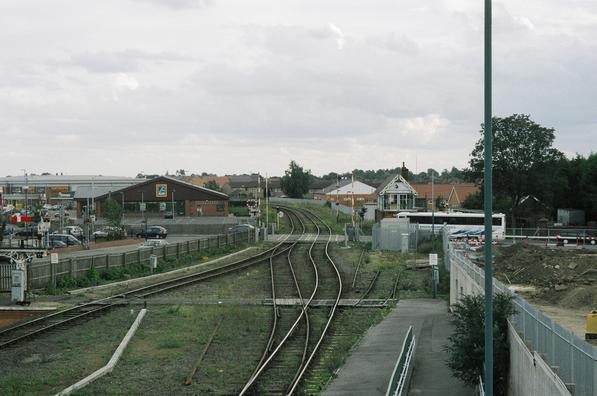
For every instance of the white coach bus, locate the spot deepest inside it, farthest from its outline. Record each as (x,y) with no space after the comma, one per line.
(457,222)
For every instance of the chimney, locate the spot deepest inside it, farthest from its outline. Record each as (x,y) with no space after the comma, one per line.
(404,171)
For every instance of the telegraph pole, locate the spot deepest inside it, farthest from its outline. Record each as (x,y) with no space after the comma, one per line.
(488,195)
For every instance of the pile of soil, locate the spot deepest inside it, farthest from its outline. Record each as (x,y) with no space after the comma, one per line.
(564,277)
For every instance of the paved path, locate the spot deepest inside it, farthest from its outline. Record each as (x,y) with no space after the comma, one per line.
(431,376)
(368,369)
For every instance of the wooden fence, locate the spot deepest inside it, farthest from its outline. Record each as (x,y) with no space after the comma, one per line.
(44,273)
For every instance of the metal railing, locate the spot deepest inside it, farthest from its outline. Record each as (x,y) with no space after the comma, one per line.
(481,389)
(575,359)
(400,374)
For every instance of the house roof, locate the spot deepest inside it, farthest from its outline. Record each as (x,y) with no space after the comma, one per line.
(335,185)
(170,180)
(318,184)
(360,188)
(395,183)
(452,191)
(84,192)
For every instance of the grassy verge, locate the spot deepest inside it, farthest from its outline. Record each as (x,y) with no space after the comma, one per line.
(165,347)
(95,277)
(46,365)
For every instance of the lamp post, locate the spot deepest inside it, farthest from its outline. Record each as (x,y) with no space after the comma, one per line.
(488,194)
(26,190)
(122,200)
(173,190)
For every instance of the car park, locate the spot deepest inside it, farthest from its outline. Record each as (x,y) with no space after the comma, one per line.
(157,232)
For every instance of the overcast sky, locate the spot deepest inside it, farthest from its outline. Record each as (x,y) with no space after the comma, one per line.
(116,87)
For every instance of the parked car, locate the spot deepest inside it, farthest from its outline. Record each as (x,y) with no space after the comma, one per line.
(110,232)
(168,215)
(10,230)
(241,228)
(157,232)
(56,243)
(27,232)
(154,243)
(66,238)
(57,214)
(75,231)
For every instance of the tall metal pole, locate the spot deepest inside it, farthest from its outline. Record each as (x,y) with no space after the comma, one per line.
(173,190)
(122,220)
(26,189)
(266,209)
(488,209)
(352,200)
(432,212)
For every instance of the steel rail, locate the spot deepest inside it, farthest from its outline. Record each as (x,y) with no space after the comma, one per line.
(368,289)
(356,272)
(332,311)
(275,321)
(260,370)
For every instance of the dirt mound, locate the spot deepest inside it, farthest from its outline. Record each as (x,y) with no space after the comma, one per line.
(545,267)
(581,297)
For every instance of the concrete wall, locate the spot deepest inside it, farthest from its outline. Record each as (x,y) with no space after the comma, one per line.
(529,374)
(461,284)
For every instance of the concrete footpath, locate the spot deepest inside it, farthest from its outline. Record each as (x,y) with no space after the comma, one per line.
(368,369)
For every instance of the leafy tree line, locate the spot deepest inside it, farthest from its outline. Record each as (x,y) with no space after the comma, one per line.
(375,177)
(526,167)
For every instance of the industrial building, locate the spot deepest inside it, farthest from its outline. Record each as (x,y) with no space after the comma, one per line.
(55,189)
(162,196)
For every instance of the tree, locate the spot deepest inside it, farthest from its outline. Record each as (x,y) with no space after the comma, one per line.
(212,185)
(466,345)
(295,182)
(522,152)
(112,212)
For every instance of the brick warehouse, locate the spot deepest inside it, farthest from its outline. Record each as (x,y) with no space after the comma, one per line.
(161,195)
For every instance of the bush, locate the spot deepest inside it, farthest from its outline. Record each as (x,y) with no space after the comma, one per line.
(466,346)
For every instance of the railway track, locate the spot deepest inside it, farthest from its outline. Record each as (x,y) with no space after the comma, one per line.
(22,331)
(297,341)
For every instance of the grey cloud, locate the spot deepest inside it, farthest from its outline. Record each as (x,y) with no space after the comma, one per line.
(215,88)
(123,61)
(396,42)
(179,4)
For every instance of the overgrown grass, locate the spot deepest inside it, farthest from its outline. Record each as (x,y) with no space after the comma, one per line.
(99,276)
(161,354)
(46,365)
